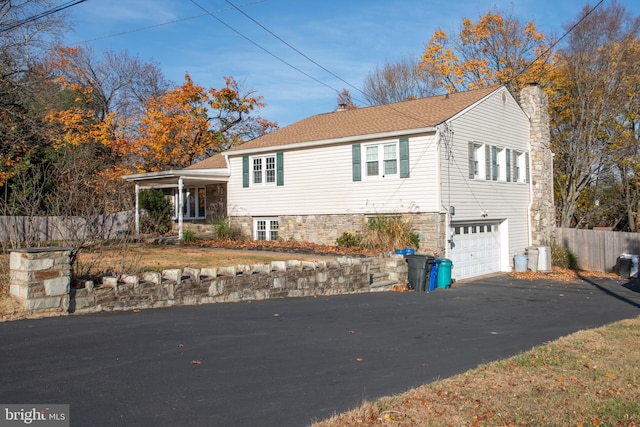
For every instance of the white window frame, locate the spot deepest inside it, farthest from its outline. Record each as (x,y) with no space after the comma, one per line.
(501,163)
(479,161)
(266,228)
(194,203)
(263,170)
(520,167)
(385,156)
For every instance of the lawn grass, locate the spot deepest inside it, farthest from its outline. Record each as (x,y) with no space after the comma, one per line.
(589,378)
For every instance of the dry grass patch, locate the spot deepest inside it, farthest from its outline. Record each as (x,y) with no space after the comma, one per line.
(136,258)
(585,379)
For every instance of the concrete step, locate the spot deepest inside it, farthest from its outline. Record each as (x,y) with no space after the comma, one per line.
(382,285)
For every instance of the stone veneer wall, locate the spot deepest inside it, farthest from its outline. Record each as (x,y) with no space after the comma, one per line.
(41,280)
(41,277)
(535,103)
(325,229)
(216,201)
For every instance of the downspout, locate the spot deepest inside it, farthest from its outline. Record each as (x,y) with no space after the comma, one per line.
(180,207)
(447,207)
(137,214)
(529,237)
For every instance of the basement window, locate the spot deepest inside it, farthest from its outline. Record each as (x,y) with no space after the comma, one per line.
(265,228)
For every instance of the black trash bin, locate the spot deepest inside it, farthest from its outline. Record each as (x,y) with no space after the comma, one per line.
(419,268)
(623,267)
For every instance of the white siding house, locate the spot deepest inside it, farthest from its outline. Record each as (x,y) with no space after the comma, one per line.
(457,165)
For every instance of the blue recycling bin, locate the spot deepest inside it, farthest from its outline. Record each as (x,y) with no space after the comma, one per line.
(433,275)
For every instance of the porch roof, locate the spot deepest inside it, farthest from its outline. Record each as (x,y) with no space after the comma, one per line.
(170,178)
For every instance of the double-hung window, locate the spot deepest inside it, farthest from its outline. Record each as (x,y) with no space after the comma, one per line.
(478,160)
(500,173)
(385,159)
(381,160)
(520,166)
(264,170)
(265,228)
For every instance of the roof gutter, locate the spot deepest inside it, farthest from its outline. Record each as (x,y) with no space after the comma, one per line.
(331,141)
(192,173)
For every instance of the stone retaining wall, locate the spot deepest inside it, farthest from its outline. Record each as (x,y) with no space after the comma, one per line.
(190,286)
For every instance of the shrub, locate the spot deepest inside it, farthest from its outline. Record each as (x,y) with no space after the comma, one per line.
(349,240)
(221,230)
(158,209)
(563,257)
(189,236)
(388,232)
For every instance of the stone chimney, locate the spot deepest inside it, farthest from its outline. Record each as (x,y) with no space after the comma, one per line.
(535,103)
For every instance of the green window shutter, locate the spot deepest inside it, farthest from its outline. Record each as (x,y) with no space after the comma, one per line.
(245,171)
(508,160)
(526,160)
(280,168)
(487,162)
(404,158)
(472,163)
(356,160)
(494,163)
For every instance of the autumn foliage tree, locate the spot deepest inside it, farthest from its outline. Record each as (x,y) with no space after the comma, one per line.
(23,85)
(497,49)
(594,100)
(190,123)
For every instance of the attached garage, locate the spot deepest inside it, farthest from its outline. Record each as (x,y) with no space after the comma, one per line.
(476,249)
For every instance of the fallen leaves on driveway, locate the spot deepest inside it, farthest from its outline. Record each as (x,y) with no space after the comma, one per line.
(562,275)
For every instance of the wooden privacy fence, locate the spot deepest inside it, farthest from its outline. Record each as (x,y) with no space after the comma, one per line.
(598,250)
(16,229)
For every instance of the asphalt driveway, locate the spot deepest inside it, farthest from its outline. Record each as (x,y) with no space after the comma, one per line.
(286,362)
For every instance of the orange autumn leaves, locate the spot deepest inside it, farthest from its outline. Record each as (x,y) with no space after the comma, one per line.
(177,128)
(496,49)
(185,124)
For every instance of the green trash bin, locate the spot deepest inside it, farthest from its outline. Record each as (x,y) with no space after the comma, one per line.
(444,273)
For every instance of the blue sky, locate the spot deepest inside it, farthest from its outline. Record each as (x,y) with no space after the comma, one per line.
(348,37)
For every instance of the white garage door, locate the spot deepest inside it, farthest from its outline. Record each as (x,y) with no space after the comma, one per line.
(476,250)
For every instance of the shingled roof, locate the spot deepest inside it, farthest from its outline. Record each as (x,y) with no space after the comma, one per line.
(217,161)
(406,115)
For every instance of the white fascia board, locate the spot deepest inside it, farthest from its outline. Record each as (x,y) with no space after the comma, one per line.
(321,142)
(150,175)
(213,174)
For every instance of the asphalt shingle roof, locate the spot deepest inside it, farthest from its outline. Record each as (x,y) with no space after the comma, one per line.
(217,161)
(406,115)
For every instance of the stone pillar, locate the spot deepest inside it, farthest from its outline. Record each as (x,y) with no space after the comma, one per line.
(41,277)
(535,103)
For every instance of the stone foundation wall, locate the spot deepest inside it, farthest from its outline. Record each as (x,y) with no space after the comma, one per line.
(325,229)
